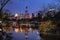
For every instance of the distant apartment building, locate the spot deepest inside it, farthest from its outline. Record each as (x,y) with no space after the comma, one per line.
(21,16)
(33,15)
(27,15)
(11,17)
(38,15)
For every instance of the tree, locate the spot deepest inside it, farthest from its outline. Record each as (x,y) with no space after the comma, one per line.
(47,25)
(2,5)
(54,6)
(57,16)
(57,20)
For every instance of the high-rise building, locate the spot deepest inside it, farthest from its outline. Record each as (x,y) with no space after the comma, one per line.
(21,16)
(26,10)
(33,15)
(39,14)
(27,15)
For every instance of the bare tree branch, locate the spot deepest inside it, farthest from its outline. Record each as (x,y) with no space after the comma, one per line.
(3,4)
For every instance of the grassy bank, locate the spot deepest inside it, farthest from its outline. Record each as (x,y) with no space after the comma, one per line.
(49,36)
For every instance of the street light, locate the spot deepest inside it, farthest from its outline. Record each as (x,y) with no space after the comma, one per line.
(16,15)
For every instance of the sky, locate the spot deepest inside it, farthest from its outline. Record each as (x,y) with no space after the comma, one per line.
(19,6)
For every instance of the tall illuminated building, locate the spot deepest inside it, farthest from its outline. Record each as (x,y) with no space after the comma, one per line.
(27,15)
(21,16)
(33,15)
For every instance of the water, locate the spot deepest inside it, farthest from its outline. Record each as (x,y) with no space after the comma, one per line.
(22,35)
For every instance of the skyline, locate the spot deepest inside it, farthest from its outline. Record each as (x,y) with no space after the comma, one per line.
(18,6)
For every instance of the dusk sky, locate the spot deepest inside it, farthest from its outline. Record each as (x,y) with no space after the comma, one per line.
(18,6)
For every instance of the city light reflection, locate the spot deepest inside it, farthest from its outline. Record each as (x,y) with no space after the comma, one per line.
(21,29)
(16,30)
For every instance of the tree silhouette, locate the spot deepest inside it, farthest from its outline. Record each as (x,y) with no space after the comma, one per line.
(2,5)
(57,18)
(47,25)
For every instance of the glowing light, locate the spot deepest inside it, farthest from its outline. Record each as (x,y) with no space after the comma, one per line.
(16,15)
(16,29)
(0,29)
(21,29)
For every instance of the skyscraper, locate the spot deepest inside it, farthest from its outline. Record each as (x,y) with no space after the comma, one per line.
(27,15)
(33,15)
(21,16)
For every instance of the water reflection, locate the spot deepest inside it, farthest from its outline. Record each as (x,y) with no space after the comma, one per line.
(25,34)
(16,30)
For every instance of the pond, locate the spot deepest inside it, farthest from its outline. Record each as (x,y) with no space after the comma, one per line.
(17,34)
